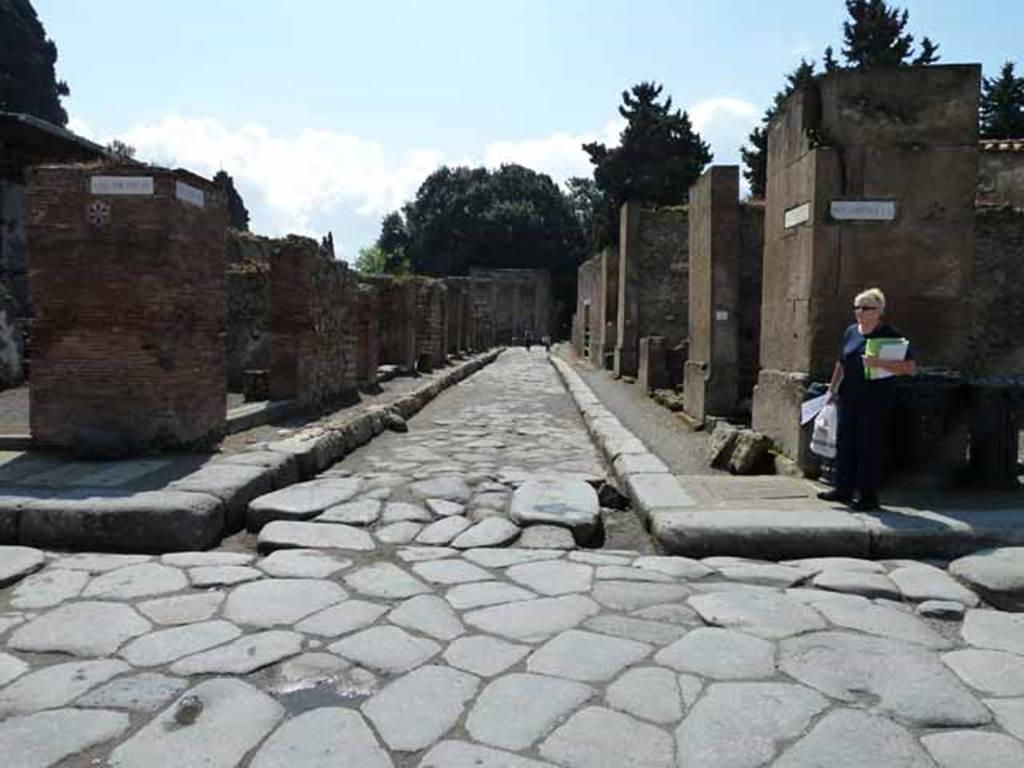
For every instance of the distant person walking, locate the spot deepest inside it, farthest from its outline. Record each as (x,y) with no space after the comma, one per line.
(528,340)
(864,402)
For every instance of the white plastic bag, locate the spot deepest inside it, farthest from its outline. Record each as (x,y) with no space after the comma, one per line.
(825,432)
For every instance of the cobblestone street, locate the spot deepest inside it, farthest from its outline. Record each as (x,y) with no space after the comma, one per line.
(412,607)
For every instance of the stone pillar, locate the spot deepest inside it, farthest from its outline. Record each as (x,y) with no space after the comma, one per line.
(430,329)
(129,289)
(711,374)
(608,268)
(653,365)
(13,282)
(368,336)
(871,181)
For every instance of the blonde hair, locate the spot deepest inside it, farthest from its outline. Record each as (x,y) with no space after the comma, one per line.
(875,296)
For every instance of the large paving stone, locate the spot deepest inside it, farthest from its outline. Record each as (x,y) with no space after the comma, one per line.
(85,628)
(287,534)
(398,533)
(631,596)
(386,649)
(997,574)
(757,612)
(843,738)
(145,692)
(302,564)
(895,678)
(277,602)
(446,487)
(641,630)
(994,672)
(362,512)
(769,574)
(484,656)
(301,501)
(863,583)
(678,567)
(863,615)
(343,618)
(553,577)
(46,738)
(421,554)
(222,575)
(401,511)
(459,754)
(91,562)
(416,710)
(919,584)
(385,580)
(492,532)
(234,484)
(968,749)
(451,572)
(167,645)
(484,593)
(721,654)
(244,655)
(323,738)
(143,580)
(429,615)
(650,693)
(235,717)
(532,620)
(546,537)
(995,630)
(598,737)
(443,531)
(444,508)
(742,725)
(206,559)
(48,588)
(515,710)
(56,685)
(502,558)
(1009,714)
(628,573)
(183,609)
(18,562)
(586,656)
(568,503)
(10,668)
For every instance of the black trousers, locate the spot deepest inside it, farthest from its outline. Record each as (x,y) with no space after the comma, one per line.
(863,439)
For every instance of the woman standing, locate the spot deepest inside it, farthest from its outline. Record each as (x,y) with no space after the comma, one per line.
(864,404)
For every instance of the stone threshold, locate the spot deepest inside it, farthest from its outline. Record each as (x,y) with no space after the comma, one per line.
(197,510)
(681,525)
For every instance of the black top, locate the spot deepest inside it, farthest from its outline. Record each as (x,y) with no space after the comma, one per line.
(852,349)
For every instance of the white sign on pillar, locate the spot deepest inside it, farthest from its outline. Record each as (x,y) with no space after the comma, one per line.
(797,215)
(863,210)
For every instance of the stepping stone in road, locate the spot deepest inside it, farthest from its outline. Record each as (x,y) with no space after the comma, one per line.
(998,574)
(285,534)
(492,532)
(572,504)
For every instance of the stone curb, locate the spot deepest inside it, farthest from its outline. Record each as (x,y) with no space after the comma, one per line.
(195,511)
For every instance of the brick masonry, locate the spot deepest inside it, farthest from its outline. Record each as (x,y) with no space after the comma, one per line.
(367,335)
(248,305)
(396,320)
(519,301)
(431,328)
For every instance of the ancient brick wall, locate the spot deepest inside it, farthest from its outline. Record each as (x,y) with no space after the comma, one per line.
(519,300)
(457,314)
(1001,173)
(997,295)
(248,305)
(128,283)
(313,306)
(396,320)
(367,334)
(589,316)
(431,331)
(483,299)
(751,264)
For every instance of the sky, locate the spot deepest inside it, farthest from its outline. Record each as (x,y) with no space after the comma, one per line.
(330,113)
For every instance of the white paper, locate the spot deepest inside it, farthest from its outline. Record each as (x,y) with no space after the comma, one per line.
(890,352)
(811,408)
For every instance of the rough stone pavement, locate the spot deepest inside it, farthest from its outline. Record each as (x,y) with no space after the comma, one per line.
(513,657)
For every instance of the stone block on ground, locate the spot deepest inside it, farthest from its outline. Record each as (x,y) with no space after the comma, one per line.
(302,501)
(996,574)
(17,562)
(751,454)
(286,534)
(234,484)
(721,445)
(554,501)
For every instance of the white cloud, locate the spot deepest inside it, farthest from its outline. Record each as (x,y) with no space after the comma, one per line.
(713,113)
(560,155)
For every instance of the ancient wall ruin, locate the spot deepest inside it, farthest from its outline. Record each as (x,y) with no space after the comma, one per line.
(653,280)
(996,295)
(519,302)
(367,335)
(396,320)
(313,309)
(457,316)
(431,331)
(248,305)
(129,289)
(608,285)
(14,301)
(1001,172)
(588,320)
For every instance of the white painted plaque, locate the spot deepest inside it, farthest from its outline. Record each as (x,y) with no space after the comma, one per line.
(121,185)
(863,210)
(189,194)
(721,314)
(797,215)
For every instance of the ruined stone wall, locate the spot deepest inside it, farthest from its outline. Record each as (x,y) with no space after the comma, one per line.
(609,289)
(653,280)
(589,310)
(129,290)
(483,300)
(367,335)
(751,264)
(519,300)
(431,332)
(313,307)
(14,301)
(997,296)
(1001,173)
(248,305)
(396,320)
(456,312)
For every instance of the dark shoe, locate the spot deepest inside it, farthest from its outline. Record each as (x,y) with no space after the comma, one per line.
(865,505)
(836,495)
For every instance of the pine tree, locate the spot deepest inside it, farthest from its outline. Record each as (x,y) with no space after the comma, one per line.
(238,215)
(875,36)
(27,80)
(1002,105)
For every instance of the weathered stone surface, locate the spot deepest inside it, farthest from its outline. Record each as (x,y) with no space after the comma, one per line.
(628,573)
(679,567)
(862,583)
(444,508)
(861,614)
(46,738)
(400,511)
(10,668)
(443,531)
(998,574)
(484,656)
(184,609)
(136,581)
(586,656)
(85,628)
(343,618)
(721,444)
(967,749)
(553,577)
(994,672)
(302,564)
(598,737)
(277,602)
(234,718)
(515,710)
(362,512)
(387,649)
(546,537)
(301,501)
(769,574)
(572,504)
(842,738)
(650,693)
(222,575)
(480,594)
(492,532)
(919,584)
(766,714)
(417,554)
(995,630)
(721,654)
(416,710)
(819,564)
(309,670)
(911,685)
(234,484)
(502,558)
(48,588)
(398,533)
(941,609)
(385,580)
(428,615)
(322,738)
(206,559)
(640,630)
(532,620)
(459,754)
(446,487)
(651,492)
(757,612)
(285,534)
(1009,714)
(98,563)
(166,645)
(145,692)
(451,572)
(56,685)
(244,655)
(630,596)
(749,452)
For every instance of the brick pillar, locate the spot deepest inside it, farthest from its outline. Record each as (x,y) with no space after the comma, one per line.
(368,355)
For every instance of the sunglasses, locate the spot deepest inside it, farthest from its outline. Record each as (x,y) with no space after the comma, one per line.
(864,309)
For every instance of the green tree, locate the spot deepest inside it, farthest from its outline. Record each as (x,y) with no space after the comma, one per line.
(120,152)
(596,214)
(238,214)
(659,154)
(875,36)
(28,82)
(1002,105)
(373,260)
(393,242)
